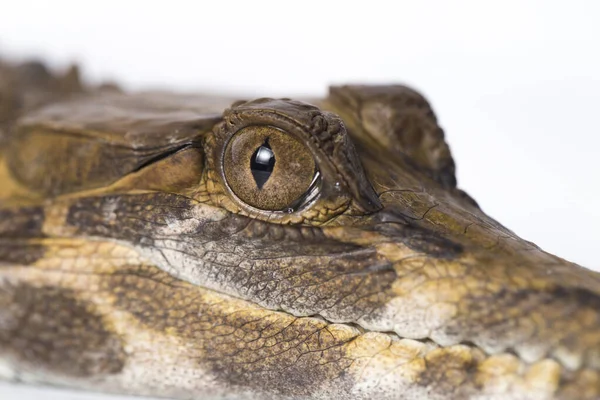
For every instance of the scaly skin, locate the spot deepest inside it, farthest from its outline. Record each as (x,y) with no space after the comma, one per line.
(129,265)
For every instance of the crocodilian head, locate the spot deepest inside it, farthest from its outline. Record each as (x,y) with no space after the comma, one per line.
(362,224)
(295,250)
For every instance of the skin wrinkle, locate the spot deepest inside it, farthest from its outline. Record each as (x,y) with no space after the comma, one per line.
(211,297)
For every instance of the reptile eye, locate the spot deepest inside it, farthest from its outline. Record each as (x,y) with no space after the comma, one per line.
(268,168)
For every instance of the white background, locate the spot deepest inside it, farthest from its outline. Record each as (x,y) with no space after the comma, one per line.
(516,85)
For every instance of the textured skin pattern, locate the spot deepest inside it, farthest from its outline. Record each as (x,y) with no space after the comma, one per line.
(128,265)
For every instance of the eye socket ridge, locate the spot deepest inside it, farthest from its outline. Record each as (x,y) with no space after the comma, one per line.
(309,197)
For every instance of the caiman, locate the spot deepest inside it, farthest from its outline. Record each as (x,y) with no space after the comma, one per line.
(187,247)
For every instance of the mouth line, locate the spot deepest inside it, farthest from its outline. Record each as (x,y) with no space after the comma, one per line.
(433,344)
(527,351)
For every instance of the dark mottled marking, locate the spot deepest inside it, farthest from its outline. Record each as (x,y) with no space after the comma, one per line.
(570,318)
(301,357)
(278,266)
(49,328)
(141,219)
(242,344)
(428,242)
(420,239)
(24,222)
(14,252)
(581,296)
(450,371)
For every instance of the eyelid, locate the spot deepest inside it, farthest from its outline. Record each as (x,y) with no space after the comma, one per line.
(310,196)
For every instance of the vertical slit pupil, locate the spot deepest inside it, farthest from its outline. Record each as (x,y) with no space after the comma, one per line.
(262,163)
